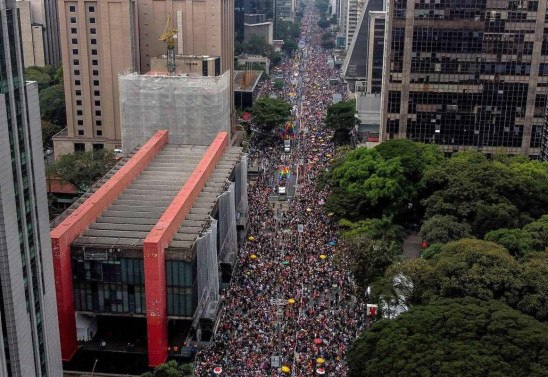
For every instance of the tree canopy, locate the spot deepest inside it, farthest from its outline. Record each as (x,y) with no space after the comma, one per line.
(52,105)
(480,269)
(341,117)
(453,337)
(269,113)
(82,169)
(486,194)
(171,369)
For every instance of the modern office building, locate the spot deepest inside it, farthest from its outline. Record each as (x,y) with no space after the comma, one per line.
(354,11)
(467,75)
(363,68)
(102,39)
(544,141)
(28,315)
(32,37)
(141,257)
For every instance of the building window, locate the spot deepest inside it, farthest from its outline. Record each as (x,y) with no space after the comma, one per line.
(79,112)
(78,92)
(93,52)
(76,72)
(92,31)
(97,103)
(95,62)
(73,20)
(80,132)
(98,113)
(79,147)
(91,8)
(72,8)
(74,50)
(93,41)
(98,147)
(78,102)
(92,20)
(96,93)
(74,41)
(99,133)
(95,72)
(76,62)
(98,123)
(77,82)
(73,30)
(96,82)
(80,122)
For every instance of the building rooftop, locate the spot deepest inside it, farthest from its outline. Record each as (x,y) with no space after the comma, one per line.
(246,81)
(129,219)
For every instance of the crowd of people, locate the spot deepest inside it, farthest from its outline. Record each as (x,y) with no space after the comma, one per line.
(288,298)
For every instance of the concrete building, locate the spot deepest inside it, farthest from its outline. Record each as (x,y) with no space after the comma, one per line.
(256,25)
(245,88)
(363,67)
(32,37)
(39,23)
(143,254)
(102,39)
(190,64)
(28,315)
(284,9)
(467,75)
(354,11)
(544,141)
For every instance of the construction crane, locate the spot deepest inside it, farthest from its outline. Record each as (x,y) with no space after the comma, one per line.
(168,37)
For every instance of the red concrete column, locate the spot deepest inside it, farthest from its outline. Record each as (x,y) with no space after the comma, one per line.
(71,228)
(160,237)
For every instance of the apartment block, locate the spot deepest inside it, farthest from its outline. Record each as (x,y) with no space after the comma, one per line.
(467,75)
(28,313)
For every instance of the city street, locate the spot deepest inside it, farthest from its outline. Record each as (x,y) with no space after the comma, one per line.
(290,310)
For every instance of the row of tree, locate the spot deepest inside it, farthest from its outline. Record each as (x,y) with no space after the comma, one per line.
(476,303)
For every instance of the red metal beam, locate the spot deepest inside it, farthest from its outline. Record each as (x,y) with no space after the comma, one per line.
(159,238)
(70,228)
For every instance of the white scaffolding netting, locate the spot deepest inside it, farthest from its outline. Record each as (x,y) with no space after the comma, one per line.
(193,109)
(227,226)
(240,190)
(207,268)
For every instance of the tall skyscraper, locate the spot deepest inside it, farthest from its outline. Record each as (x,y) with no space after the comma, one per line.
(467,74)
(101,39)
(28,313)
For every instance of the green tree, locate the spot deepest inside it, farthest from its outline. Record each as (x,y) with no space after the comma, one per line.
(289,45)
(82,169)
(322,6)
(458,337)
(533,299)
(443,229)
(328,44)
(416,158)
(269,113)
(171,369)
(539,232)
(375,229)
(41,75)
(341,117)
(48,131)
(324,23)
(517,241)
(370,258)
(256,45)
(58,77)
(486,194)
(52,105)
(364,185)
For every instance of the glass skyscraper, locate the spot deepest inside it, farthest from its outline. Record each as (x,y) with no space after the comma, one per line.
(470,74)
(28,313)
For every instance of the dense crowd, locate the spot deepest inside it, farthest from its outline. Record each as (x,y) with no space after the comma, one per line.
(288,297)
